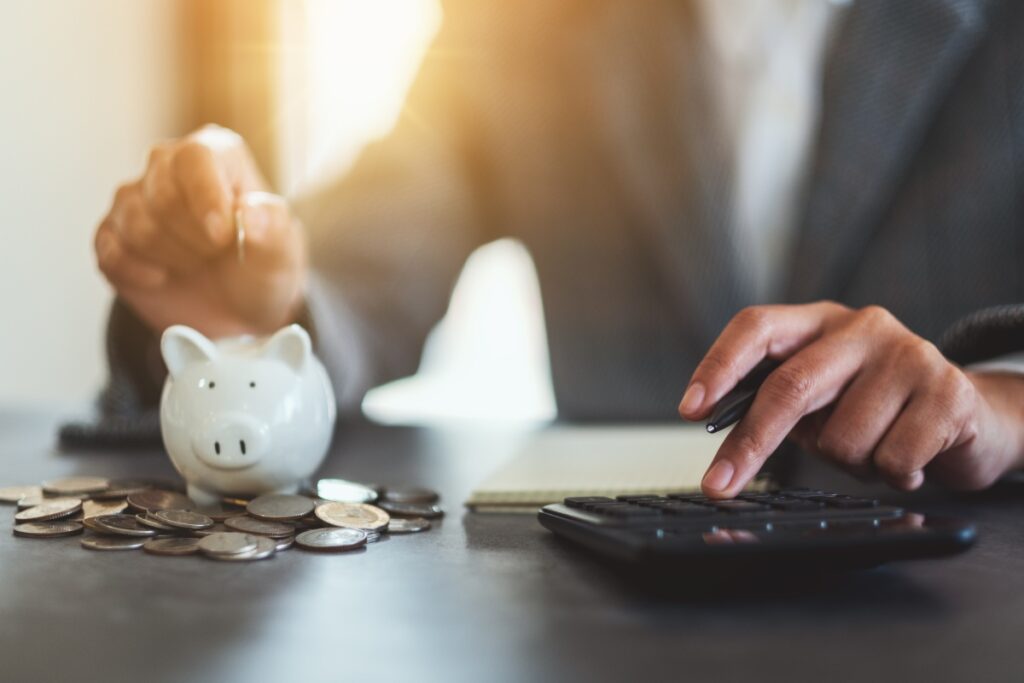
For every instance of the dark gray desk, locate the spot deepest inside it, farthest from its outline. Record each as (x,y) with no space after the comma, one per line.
(481,598)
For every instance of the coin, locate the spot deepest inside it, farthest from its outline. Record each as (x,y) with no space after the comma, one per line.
(265,547)
(145,519)
(121,525)
(95,508)
(54,508)
(260,527)
(409,525)
(411,495)
(32,501)
(332,539)
(236,501)
(47,529)
(228,543)
(280,507)
(178,545)
(342,491)
(69,486)
(217,528)
(218,512)
(285,543)
(12,494)
(122,488)
(426,510)
(112,543)
(153,500)
(353,516)
(372,536)
(183,519)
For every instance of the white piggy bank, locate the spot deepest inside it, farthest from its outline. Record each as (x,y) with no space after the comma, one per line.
(244,416)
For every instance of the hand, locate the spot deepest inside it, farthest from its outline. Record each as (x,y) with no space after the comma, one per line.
(168,244)
(860,389)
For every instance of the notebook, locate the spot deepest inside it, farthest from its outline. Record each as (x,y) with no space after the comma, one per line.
(562,461)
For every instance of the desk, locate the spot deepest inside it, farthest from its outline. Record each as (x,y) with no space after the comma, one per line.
(481,598)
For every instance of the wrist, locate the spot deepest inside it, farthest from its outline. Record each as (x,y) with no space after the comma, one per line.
(1003,396)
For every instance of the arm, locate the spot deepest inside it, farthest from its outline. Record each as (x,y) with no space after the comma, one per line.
(387,242)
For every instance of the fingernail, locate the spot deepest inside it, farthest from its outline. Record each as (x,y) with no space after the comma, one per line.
(214,225)
(692,399)
(719,476)
(256,220)
(915,480)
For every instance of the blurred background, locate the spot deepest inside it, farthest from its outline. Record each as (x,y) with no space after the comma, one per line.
(89,85)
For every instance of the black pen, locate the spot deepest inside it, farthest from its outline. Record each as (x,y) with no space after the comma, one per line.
(734,405)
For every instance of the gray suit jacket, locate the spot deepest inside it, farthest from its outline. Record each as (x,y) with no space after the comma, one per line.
(581,128)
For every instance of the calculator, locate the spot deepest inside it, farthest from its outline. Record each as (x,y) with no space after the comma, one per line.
(806,528)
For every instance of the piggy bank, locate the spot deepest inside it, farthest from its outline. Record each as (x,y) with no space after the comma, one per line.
(243,417)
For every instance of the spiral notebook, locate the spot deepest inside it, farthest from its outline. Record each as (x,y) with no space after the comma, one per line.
(563,461)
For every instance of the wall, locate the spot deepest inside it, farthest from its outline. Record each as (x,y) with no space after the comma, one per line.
(87,86)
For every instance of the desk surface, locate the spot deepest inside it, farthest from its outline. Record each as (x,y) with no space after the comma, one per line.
(492,598)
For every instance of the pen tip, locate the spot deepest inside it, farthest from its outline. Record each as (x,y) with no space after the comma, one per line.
(711,429)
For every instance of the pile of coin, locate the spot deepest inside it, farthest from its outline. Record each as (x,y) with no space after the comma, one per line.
(336,515)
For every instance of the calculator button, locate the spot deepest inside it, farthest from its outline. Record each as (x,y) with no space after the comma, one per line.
(637,498)
(851,503)
(688,510)
(796,505)
(584,501)
(739,506)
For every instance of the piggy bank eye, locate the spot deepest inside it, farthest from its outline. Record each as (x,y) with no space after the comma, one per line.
(252,385)
(212,385)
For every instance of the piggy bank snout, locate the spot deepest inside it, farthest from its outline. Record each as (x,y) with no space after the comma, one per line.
(232,441)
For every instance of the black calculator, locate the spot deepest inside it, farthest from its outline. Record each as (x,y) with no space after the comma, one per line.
(788,527)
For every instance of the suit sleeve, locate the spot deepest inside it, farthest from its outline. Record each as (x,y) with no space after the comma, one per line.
(389,238)
(986,335)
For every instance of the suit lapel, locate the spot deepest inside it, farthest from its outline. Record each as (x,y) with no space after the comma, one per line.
(889,68)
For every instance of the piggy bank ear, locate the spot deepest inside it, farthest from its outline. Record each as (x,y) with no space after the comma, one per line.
(291,346)
(181,346)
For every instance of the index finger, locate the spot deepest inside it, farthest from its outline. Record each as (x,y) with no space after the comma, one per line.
(755,333)
(202,180)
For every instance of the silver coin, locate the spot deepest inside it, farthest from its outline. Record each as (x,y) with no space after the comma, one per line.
(90,524)
(146,519)
(260,527)
(411,495)
(54,508)
(372,536)
(409,525)
(122,488)
(217,528)
(112,543)
(32,501)
(425,510)
(285,543)
(265,547)
(280,507)
(70,486)
(228,543)
(12,494)
(353,516)
(218,512)
(47,529)
(342,491)
(120,525)
(95,508)
(183,519)
(334,539)
(177,545)
(154,500)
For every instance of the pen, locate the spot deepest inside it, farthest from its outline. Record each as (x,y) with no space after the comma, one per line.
(734,405)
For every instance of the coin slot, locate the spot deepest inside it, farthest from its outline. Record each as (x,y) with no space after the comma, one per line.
(216,447)
(242,445)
